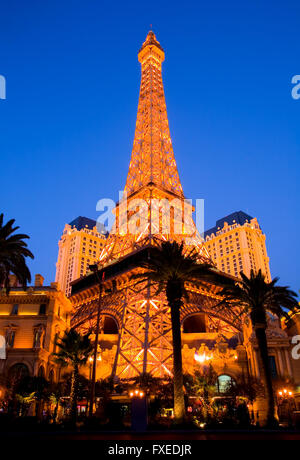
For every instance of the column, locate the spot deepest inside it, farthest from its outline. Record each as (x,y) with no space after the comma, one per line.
(256,362)
(288,363)
(279,355)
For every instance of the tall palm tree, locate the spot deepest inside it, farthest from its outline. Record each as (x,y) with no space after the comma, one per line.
(171,268)
(13,251)
(74,352)
(256,297)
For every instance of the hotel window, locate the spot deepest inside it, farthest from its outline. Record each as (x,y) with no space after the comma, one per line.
(10,337)
(15,309)
(273,368)
(42,310)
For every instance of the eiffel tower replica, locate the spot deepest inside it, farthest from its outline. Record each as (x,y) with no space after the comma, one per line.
(152,209)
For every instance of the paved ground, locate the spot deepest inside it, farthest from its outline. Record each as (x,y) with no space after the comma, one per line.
(160,436)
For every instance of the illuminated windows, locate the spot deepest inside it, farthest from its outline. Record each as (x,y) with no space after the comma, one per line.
(15,309)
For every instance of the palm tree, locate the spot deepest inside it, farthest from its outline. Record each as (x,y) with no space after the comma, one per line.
(256,297)
(31,389)
(74,351)
(170,268)
(13,251)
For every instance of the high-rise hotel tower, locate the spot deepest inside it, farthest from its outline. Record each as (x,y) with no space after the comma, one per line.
(237,244)
(79,246)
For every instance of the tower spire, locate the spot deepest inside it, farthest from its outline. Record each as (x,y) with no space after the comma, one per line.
(152,158)
(153,207)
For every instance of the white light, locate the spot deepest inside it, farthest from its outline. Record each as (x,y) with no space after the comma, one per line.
(201,358)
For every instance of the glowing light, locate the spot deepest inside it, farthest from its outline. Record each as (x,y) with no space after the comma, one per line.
(91,358)
(201,358)
(136,394)
(285,392)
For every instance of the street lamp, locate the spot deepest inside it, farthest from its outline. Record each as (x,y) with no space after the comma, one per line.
(136,394)
(94,269)
(91,360)
(286,403)
(284,393)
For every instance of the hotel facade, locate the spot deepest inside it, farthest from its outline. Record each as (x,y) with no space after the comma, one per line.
(30,322)
(79,246)
(236,244)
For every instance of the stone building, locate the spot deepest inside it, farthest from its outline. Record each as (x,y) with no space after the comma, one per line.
(30,321)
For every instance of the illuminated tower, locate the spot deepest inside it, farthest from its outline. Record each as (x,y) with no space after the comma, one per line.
(152,209)
(153,206)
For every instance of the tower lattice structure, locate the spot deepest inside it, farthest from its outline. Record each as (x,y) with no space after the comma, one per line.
(153,206)
(152,209)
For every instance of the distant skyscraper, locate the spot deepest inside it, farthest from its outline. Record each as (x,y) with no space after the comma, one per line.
(237,244)
(80,245)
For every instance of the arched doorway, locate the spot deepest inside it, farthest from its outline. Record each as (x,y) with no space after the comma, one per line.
(41,372)
(194,324)
(110,326)
(18,371)
(51,377)
(224,383)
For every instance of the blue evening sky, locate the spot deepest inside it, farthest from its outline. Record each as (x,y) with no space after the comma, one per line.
(67,125)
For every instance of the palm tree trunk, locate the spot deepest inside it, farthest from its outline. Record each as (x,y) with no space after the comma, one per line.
(179,406)
(74,392)
(260,332)
(55,412)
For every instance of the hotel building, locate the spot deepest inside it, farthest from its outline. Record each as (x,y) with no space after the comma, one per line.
(30,322)
(80,245)
(236,244)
